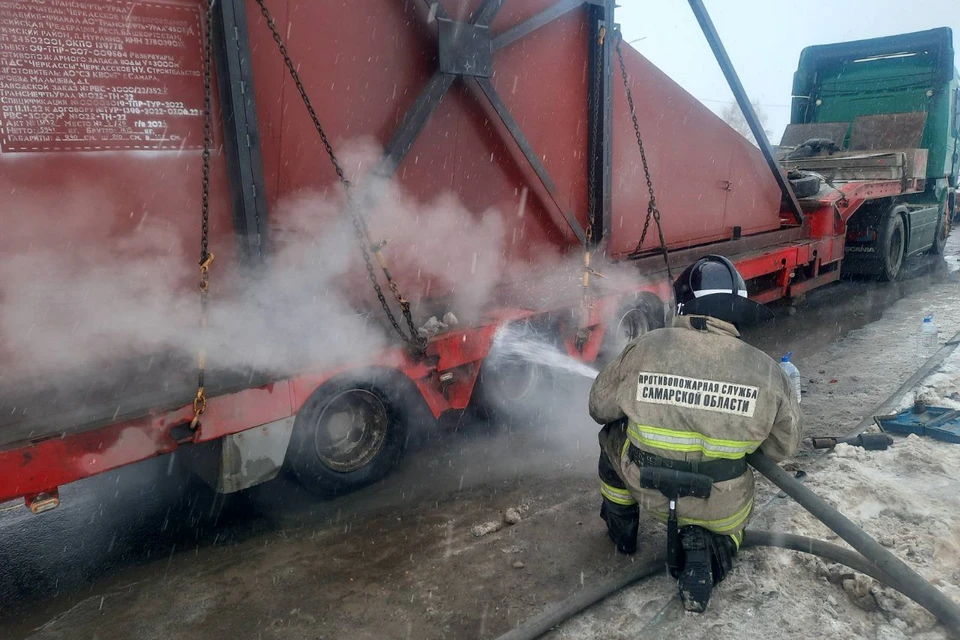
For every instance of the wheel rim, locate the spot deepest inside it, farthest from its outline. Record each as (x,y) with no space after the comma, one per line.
(896,249)
(632,325)
(351,430)
(516,380)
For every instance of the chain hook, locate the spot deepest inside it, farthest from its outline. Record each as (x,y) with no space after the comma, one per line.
(199,406)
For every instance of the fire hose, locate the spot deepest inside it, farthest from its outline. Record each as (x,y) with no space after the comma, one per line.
(875,561)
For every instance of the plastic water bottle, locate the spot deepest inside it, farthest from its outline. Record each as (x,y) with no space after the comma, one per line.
(928,337)
(792,372)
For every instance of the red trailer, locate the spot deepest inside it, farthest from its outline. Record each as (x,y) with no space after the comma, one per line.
(491,142)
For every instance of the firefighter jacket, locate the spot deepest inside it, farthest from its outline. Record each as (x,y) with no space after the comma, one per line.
(697,394)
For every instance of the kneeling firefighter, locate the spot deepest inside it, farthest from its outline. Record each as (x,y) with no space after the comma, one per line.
(682,407)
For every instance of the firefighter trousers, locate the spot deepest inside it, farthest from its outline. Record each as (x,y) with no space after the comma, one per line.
(621,512)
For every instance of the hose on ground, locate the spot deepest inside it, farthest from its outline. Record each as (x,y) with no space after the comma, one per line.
(646,567)
(902,577)
(565,609)
(876,562)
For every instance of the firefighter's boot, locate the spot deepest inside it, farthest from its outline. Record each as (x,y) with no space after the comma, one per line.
(622,524)
(707,559)
(696,577)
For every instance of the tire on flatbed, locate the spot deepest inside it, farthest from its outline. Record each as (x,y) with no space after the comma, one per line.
(350,433)
(805,186)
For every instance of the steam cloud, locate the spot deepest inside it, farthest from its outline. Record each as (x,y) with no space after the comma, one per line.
(69,306)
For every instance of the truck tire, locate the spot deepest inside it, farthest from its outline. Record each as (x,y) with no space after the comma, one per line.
(891,246)
(806,186)
(509,384)
(505,394)
(348,434)
(635,318)
(943,231)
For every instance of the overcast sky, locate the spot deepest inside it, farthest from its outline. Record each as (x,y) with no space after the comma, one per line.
(764,39)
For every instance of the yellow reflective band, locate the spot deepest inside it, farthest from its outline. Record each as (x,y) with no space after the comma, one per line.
(690,441)
(722,525)
(617,496)
(737,538)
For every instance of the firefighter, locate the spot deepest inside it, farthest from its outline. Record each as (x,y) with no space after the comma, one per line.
(695,399)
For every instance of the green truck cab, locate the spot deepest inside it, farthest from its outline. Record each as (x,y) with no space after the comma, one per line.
(896,93)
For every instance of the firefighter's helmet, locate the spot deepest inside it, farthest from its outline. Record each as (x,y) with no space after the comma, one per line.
(713,287)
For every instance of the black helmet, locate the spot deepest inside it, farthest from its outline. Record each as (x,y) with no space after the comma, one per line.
(713,287)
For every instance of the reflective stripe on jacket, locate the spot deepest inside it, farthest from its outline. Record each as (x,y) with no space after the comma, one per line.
(693,395)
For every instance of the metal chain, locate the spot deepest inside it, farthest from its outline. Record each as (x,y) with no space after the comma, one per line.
(206,257)
(414,340)
(652,209)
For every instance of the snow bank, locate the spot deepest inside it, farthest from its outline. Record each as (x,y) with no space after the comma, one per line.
(942,389)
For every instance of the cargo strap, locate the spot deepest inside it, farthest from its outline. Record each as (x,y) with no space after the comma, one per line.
(717,470)
(653,211)
(415,342)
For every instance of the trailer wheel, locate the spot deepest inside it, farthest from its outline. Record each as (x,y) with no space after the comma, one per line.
(347,435)
(891,246)
(508,383)
(635,318)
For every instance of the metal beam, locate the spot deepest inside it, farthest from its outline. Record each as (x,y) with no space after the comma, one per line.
(487,12)
(528,26)
(414,121)
(430,10)
(600,113)
(241,132)
(713,38)
(517,134)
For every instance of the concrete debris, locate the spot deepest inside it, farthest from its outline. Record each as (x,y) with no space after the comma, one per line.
(450,320)
(511,516)
(859,589)
(518,565)
(834,573)
(432,327)
(486,528)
